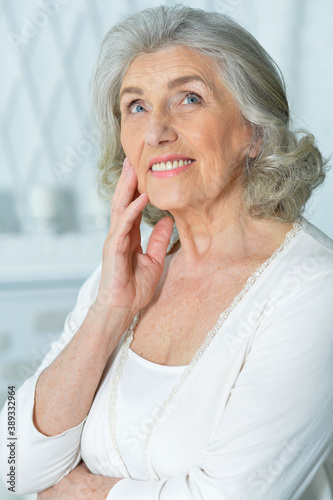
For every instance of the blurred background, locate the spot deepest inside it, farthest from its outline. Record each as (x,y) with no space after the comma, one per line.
(52,224)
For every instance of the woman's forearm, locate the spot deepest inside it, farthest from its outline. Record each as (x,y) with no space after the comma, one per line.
(100,486)
(80,483)
(65,389)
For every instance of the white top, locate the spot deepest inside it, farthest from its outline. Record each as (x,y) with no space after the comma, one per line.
(252,418)
(144,386)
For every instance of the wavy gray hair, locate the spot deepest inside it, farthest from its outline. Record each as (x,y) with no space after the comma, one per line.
(279,181)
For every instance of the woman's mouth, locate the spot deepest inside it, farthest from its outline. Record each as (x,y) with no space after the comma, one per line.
(163,170)
(169,165)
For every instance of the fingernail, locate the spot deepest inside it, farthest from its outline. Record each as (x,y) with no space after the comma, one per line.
(126,165)
(129,171)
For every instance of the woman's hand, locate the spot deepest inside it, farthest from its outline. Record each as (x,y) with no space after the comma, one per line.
(129,277)
(79,484)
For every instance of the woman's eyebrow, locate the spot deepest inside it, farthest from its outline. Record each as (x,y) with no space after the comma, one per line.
(177,82)
(131,90)
(184,79)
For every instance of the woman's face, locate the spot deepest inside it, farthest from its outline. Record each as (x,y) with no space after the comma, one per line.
(174,108)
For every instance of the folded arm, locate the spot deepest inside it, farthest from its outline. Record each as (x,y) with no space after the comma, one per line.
(79,484)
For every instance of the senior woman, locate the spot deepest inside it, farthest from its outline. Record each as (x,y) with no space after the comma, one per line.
(198,365)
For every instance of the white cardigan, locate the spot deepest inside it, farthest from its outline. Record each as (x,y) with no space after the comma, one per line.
(254,418)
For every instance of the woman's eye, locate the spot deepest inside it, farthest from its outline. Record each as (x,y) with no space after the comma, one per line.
(135,108)
(192,99)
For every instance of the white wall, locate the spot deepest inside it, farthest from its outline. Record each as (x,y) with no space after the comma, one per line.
(47,60)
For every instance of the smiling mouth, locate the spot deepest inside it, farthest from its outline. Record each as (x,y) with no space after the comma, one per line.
(170,165)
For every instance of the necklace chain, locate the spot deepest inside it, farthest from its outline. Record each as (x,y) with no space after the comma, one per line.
(297,226)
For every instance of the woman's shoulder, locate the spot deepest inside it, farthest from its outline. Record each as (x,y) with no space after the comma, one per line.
(311,255)
(294,301)
(302,266)
(316,237)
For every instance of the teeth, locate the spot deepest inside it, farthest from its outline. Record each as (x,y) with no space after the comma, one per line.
(169,165)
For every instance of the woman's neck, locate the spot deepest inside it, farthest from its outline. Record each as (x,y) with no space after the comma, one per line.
(203,247)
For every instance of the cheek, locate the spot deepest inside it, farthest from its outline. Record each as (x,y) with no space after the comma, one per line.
(130,138)
(132,141)
(124,139)
(129,146)
(207,133)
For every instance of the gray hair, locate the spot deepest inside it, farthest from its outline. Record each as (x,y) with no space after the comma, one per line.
(279,181)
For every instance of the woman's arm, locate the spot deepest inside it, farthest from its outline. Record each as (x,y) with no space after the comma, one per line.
(50,425)
(65,390)
(42,460)
(80,484)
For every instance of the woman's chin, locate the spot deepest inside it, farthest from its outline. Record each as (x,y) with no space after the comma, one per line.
(170,207)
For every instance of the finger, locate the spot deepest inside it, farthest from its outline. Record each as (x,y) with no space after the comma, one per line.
(159,240)
(136,233)
(122,179)
(126,166)
(136,194)
(126,192)
(128,218)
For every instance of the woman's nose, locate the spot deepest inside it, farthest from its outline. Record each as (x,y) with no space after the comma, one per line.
(159,131)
